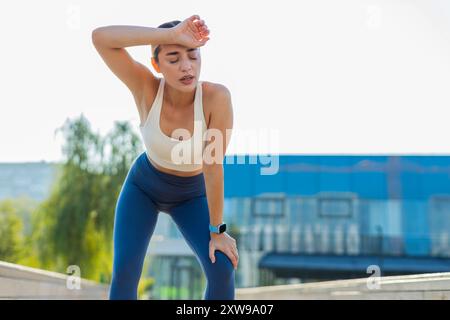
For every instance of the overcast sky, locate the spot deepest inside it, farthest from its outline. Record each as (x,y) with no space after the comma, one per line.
(325,77)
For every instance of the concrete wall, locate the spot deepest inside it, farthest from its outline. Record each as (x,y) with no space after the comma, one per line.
(433,286)
(20,282)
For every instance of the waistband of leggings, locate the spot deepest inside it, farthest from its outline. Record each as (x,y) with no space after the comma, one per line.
(171,177)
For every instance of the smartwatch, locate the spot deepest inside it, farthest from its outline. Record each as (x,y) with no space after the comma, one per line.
(220,228)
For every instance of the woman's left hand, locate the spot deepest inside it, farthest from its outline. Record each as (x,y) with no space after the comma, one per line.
(225,243)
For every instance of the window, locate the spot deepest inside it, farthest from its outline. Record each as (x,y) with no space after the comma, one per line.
(335,207)
(268,207)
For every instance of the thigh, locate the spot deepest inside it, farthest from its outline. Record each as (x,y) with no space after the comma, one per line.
(135,220)
(192,219)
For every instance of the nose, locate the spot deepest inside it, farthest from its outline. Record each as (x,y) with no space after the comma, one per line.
(186,65)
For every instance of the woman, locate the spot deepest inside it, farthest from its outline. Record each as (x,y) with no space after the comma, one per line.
(189,190)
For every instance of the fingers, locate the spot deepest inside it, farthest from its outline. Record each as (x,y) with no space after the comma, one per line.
(211,252)
(203,41)
(200,23)
(234,257)
(200,26)
(198,32)
(194,30)
(204,31)
(228,247)
(198,29)
(194,17)
(234,253)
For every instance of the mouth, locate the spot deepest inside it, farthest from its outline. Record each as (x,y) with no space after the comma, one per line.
(188,79)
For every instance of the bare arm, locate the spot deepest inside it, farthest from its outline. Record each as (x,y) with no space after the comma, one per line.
(111,41)
(220,128)
(128,36)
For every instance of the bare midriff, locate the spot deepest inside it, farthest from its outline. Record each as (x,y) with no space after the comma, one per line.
(175,172)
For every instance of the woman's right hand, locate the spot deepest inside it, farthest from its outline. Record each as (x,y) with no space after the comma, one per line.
(191,32)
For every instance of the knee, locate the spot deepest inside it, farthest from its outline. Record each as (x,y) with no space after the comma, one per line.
(223,268)
(125,275)
(123,285)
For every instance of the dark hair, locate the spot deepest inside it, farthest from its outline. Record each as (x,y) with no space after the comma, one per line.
(169,24)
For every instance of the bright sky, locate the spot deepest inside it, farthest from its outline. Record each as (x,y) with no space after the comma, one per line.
(328,77)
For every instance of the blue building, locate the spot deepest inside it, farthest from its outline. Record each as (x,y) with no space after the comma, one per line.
(326,217)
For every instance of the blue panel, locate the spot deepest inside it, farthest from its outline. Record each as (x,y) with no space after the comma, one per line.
(434,183)
(436,175)
(335,173)
(238,179)
(415,228)
(411,176)
(269,182)
(301,174)
(369,178)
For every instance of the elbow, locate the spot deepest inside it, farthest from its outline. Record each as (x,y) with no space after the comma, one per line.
(97,35)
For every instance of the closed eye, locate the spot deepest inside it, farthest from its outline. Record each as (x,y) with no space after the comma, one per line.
(172,62)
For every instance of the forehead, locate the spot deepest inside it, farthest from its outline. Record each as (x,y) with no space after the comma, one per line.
(174,49)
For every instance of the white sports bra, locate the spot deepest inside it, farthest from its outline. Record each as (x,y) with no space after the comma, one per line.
(168,152)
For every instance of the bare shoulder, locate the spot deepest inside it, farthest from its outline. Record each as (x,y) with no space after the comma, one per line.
(214,91)
(216,99)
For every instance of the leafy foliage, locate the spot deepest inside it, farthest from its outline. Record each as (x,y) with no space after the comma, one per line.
(74,226)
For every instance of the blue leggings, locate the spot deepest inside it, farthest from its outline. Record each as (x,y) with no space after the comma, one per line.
(145,192)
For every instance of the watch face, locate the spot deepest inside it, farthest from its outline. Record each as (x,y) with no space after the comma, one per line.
(222,228)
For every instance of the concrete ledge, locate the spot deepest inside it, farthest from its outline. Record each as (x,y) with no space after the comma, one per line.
(21,282)
(415,287)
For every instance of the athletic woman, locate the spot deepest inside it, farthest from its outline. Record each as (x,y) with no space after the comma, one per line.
(177,113)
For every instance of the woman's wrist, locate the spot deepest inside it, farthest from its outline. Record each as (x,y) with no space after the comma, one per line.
(166,36)
(159,36)
(215,235)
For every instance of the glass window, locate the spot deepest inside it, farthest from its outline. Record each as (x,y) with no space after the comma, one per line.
(335,207)
(268,207)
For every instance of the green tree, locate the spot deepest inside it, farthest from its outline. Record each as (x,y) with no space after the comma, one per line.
(15,230)
(74,226)
(11,238)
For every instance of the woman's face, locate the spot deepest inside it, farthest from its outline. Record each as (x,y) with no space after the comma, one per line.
(176,61)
